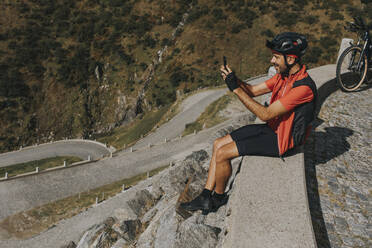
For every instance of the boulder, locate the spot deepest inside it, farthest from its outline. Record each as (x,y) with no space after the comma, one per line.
(121,243)
(99,236)
(69,245)
(142,202)
(130,229)
(89,235)
(124,213)
(193,234)
(166,232)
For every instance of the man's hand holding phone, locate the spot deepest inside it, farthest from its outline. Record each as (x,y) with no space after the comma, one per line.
(229,76)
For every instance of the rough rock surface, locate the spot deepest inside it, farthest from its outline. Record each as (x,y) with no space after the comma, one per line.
(151,219)
(339,173)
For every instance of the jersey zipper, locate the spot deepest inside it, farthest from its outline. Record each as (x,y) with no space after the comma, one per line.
(285,87)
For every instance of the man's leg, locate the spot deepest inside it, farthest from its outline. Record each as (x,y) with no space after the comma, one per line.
(203,201)
(223,165)
(218,143)
(257,139)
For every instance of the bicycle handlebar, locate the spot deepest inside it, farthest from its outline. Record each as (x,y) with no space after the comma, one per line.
(357,25)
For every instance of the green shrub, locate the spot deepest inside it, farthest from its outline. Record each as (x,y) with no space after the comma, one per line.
(209,24)
(268,33)
(325,27)
(23,8)
(191,48)
(301,4)
(353,11)
(197,12)
(166,41)
(248,16)
(236,28)
(149,41)
(176,51)
(12,45)
(177,77)
(263,7)
(143,66)
(12,84)
(75,71)
(175,18)
(311,19)
(3,36)
(115,3)
(61,13)
(327,42)
(287,19)
(217,14)
(312,55)
(336,16)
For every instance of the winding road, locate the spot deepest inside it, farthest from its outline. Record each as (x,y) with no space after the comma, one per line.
(31,191)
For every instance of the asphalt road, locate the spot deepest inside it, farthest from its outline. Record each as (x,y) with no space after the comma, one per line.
(191,108)
(77,148)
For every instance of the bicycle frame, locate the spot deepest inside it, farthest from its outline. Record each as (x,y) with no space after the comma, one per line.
(369,48)
(365,50)
(367,45)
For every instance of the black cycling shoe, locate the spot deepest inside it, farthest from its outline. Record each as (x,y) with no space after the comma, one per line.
(201,202)
(217,201)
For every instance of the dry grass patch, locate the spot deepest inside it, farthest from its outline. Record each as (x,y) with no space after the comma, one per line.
(210,117)
(43,164)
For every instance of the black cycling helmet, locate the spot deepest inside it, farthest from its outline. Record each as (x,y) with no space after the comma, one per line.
(288,43)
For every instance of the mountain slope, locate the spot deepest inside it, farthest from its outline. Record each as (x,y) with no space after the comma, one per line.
(80,68)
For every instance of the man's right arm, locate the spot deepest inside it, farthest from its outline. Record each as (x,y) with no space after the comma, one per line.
(254,90)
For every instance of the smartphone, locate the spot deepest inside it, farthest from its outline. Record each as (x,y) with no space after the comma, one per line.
(224,62)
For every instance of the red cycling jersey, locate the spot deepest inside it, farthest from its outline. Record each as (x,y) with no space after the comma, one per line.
(293,92)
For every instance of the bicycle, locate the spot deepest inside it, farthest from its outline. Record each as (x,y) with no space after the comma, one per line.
(354,62)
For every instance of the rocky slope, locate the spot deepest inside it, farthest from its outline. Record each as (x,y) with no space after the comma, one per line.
(152,217)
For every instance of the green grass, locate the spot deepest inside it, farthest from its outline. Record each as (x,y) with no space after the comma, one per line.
(42,164)
(34,221)
(210,116)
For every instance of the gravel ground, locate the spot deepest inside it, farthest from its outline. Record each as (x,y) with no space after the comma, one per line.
(338,160)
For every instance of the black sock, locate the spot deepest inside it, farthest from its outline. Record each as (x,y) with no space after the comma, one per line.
(219,196)
(206,192)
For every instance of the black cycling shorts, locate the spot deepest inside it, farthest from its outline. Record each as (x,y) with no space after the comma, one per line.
(256,139)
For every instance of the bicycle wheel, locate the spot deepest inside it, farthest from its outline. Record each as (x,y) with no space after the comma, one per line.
(349,77)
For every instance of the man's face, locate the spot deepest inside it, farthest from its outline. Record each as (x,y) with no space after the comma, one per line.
(278,62)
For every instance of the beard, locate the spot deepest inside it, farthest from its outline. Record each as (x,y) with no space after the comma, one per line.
(280,69)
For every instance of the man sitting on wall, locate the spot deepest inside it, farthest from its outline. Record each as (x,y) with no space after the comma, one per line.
(291,109)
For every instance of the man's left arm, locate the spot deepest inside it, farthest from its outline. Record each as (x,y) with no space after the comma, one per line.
(295,97)
(264,113)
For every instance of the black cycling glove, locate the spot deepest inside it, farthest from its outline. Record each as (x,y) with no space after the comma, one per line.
(231,81)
